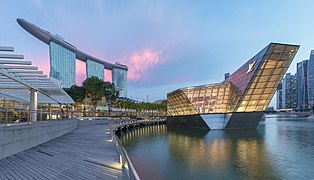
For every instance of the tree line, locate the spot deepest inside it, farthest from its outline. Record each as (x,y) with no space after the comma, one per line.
(148,108)
(96,90)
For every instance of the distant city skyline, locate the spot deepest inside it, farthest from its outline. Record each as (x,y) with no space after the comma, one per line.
(296,90)
(166,45)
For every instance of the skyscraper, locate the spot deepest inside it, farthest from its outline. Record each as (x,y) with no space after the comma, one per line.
(62,64)
(279,96)
(227,75)
(119,79)
(302,86)
(287,93)
(95,69)
(310,80)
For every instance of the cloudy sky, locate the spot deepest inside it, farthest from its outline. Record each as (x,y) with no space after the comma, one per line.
(166,44)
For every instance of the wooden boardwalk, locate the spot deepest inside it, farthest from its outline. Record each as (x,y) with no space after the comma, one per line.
(85,153)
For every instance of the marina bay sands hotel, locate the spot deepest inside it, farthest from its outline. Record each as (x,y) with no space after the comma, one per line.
(63,56)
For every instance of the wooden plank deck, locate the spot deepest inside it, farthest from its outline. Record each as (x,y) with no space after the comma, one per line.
(84,153)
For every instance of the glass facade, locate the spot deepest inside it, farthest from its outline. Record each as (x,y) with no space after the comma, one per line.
(302,99)
(288,95)
(119,79)
(249,89)
(310,80)
(62,64)
(211,98)
(94,69)
(279,97)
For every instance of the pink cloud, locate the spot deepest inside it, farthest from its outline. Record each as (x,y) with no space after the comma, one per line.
(80,72)
(42,64)
(140,63)
(108,76)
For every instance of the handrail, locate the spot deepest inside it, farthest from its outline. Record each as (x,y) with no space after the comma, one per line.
(126,162)
(125,159)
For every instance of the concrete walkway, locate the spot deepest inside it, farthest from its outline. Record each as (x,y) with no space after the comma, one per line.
(85,153)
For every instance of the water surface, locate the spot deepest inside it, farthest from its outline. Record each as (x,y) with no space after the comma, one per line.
(280,148)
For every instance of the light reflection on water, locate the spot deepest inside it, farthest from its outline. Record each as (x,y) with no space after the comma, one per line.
(278,149)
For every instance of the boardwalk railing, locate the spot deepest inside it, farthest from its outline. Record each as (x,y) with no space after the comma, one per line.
(17,115)
(124,158)
(10,115)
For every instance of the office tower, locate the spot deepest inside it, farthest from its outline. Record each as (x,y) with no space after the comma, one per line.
(302,86)
(310,80)
(227,75)
(289,92)
(279,96)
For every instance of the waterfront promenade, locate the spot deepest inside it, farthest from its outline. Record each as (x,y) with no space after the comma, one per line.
(85,153)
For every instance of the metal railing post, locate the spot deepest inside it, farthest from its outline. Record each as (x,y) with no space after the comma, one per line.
(41,114)
(6,116)
(19,115)
(27,115)
(50,114)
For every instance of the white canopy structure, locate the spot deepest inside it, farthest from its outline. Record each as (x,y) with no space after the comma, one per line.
(22,82)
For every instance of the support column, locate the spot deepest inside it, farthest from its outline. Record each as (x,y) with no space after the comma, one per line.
(33,105)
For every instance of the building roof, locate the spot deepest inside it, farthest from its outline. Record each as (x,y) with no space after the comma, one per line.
(17,77)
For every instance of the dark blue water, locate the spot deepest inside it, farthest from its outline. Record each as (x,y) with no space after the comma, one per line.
(280,148)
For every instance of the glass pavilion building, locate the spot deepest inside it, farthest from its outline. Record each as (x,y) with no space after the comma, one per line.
(240,100)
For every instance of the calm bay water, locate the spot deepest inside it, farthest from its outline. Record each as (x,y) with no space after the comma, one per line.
(280,148)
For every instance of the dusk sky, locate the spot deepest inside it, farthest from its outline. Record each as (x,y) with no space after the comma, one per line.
(166,44)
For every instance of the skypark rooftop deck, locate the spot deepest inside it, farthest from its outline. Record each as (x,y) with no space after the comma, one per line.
(47,37)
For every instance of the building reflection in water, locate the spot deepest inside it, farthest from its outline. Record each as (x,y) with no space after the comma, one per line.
(202,154)
(133,135)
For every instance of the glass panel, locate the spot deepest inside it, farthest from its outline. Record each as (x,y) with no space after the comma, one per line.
(278,71)
(261,85)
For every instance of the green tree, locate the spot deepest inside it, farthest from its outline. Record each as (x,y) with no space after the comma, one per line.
(110,94)
(94,89)
(77,93)
(164,107)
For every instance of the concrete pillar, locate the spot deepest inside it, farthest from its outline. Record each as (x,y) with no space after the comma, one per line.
(33,105)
